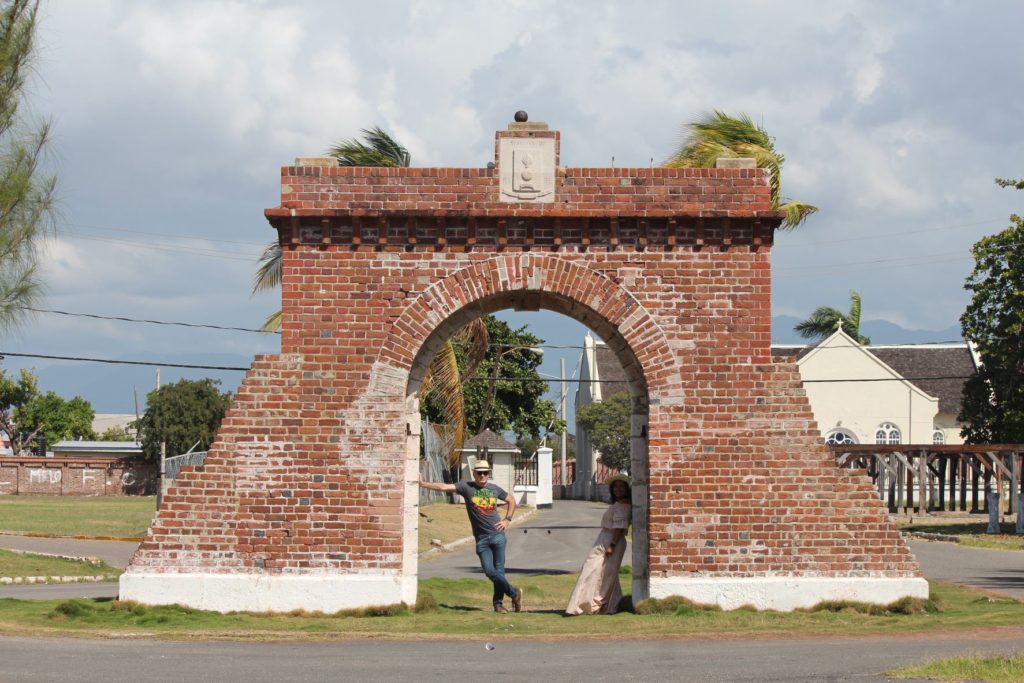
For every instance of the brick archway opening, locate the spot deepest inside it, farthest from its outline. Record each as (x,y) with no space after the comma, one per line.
(636,383)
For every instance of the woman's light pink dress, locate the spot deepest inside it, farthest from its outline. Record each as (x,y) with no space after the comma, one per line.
(597,590)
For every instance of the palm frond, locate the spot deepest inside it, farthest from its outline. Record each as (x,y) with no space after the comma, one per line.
(443,379)
(474,338)
(718,135)
(796,213)
(382,150)
(821,323)
(855,307)
(273,322)
(268,274)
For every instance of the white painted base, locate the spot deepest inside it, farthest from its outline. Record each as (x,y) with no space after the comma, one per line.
(268,593)
(786,593)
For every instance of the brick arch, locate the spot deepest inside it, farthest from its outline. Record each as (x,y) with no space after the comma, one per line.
(531,282)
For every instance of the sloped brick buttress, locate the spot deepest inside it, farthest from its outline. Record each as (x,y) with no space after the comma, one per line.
(308,497)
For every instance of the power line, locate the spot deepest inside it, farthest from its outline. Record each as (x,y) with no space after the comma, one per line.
(166,234)
(477,378)
(168,248)
(122,362)
(152,322)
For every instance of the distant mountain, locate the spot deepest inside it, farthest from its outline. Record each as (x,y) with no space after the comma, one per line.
(880,332)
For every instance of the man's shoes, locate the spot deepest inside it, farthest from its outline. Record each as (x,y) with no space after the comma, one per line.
(500,609)
(517,600)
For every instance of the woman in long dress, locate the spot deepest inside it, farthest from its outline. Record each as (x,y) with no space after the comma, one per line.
(597,590)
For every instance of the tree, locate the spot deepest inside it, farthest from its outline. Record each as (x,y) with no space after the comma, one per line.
(609,423)
(182,414)
(115,434)
(26,194)
(718,135)
(50,416)
(993,399)
(518,404)
(27,414)
(825,320)
(15,392)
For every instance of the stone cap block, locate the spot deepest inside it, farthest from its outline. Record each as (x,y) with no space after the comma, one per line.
(738,162)
(316,161)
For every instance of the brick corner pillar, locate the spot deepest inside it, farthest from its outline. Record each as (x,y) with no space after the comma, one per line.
(308,498)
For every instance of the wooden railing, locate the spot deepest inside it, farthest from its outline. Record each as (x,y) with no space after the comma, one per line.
(928,477)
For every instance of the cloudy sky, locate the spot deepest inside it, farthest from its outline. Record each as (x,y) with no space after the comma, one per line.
(173,119)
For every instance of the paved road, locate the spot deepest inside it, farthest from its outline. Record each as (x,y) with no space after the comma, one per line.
(826,659)
(999,571)
(114,553)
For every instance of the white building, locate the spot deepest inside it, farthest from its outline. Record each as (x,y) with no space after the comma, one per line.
(900,394)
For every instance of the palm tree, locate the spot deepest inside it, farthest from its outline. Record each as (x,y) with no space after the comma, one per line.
(443,376)
(718,135)
(826,320)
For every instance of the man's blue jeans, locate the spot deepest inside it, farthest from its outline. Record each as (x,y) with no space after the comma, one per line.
(491,551)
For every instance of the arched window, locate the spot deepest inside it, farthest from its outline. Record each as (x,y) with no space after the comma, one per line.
(888,433)
(938,437)
(840,437)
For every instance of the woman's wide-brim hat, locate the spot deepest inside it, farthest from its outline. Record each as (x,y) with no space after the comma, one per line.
(617,477)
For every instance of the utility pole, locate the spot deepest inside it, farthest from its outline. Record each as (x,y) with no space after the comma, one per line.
(564,439)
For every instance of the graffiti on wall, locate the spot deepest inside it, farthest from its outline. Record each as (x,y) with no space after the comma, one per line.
(44,476)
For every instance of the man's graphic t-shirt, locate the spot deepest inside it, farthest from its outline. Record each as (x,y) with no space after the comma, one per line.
(482,506)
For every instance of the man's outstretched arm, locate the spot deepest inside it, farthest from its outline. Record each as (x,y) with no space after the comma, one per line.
(437,486)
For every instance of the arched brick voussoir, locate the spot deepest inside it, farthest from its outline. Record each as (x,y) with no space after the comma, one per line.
(529,280)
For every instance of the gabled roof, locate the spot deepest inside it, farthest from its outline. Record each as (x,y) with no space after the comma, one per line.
(913,362)
(489,440)
(921,361)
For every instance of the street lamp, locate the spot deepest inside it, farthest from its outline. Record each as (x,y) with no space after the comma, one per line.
(494,378)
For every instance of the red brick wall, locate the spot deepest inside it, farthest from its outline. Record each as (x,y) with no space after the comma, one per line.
(670,266)
(76,476)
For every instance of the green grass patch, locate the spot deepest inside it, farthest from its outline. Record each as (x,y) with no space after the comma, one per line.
(90,516)
(972,534)
(988,669)
(30,564)
(460,608)
(443,522)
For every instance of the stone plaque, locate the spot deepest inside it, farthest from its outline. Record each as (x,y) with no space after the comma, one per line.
(527,169)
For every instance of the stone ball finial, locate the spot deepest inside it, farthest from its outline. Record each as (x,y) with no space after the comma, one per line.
(521,116)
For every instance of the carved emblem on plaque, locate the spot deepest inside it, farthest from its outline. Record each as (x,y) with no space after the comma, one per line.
(527,169)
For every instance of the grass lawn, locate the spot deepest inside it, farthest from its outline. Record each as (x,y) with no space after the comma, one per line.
(444,522)
(462,611)
(29,564)
(91,516)
(970,533)
(978,668)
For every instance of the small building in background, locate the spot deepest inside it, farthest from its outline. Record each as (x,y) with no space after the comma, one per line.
(96,449)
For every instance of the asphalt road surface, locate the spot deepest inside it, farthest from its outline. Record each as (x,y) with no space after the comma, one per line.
(828,659)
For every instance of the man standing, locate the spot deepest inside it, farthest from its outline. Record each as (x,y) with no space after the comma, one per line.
(481,498)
